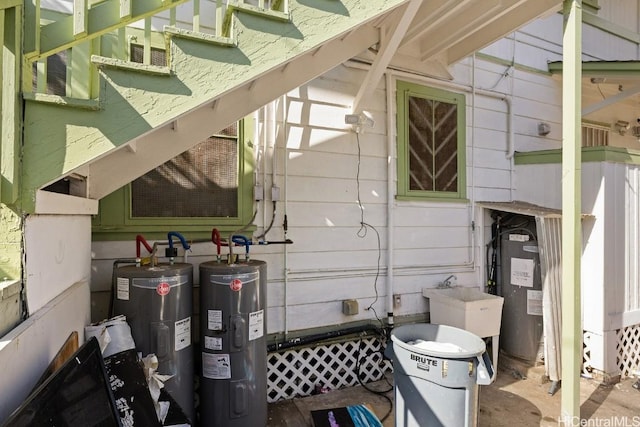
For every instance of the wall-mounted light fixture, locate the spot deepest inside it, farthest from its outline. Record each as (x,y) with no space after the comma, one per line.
(360,121)
(543,129)
(622,127)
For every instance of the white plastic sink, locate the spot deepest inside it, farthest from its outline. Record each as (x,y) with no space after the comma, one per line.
(466,308)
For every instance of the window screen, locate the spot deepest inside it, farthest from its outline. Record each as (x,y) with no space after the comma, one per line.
(56,74)
(201,182)
(433,145)
(158,56)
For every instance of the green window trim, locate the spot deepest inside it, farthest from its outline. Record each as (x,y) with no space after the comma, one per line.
(589,154)
(114,220)
(404,91)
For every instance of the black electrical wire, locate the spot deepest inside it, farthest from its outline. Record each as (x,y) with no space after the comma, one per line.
(382,393)
(362,233)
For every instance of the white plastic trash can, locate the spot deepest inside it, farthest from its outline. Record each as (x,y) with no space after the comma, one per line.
(436,372)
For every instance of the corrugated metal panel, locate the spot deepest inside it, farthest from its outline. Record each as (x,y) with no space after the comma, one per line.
(523,208)
(550,246)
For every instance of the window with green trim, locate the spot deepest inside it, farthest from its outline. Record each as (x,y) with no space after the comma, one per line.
(431,143)
(209,185)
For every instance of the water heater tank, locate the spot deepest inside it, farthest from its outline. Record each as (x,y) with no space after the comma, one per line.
(233,384)
(158,303)
(521,333)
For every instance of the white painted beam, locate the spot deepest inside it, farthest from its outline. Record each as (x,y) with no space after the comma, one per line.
(432,14)
(386,52)
(456,27)
(610,100)
(64,204)
(504,24)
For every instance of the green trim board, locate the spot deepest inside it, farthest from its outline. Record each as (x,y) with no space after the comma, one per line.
(508,63)
(11,105)
(8,4)
(114,220)
(589,154)
(405,91)
(603,68)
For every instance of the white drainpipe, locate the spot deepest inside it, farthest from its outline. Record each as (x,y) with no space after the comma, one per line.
(391,140)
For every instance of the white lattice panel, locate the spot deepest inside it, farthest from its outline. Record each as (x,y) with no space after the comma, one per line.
(299,372)
(628,350)
(587,367)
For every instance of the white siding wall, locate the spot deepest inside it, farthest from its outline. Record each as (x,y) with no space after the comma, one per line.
(316,162)
(611,271)
(329,261)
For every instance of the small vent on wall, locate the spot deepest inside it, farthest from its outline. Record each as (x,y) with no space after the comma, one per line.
(595,135)
(158,56)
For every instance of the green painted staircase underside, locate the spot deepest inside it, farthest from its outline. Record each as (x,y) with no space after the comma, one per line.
(134,105)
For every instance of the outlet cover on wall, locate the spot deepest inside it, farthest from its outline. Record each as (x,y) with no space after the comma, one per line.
(397,300)
(350,307)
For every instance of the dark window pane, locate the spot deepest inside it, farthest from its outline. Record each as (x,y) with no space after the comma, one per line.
(446,147)
(158,56)
(420,144)
(56,74)
(201,182)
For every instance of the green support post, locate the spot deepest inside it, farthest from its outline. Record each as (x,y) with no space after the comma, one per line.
(571,208)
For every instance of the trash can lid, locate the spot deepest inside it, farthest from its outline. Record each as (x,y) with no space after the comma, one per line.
(438,340)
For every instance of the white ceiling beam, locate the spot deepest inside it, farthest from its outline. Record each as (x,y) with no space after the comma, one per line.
(64,204)
(430,14)
(515,17)
(447,33)
(387,49)
(610,100)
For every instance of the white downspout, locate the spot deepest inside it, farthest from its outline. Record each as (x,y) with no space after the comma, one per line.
(265,136)
(285,162)
(391,133)
(271,111)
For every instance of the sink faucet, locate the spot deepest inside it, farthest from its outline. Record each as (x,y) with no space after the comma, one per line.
(447,282)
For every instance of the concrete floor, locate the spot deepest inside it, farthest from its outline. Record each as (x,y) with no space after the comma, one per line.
(516,398)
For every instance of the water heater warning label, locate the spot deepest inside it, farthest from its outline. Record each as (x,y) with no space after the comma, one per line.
(183,333)
(256,325)
(216,366)
(213,343)
(122,288)
(214,320)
